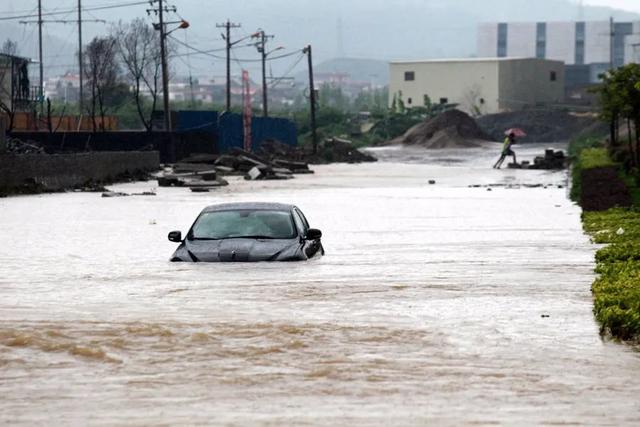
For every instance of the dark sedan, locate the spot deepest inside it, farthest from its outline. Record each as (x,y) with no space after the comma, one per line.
(248,232)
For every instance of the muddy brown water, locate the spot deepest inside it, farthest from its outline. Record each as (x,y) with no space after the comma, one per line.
(430,307)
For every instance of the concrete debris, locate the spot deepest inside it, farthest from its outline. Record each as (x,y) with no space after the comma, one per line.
(511,186)
(340,150)
(296,159)
(17,146)
(195,178)
(552,160)
(121,194)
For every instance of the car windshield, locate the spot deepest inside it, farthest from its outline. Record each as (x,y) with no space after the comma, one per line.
(247,223)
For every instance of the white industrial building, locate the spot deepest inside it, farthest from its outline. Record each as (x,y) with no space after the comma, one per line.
(478,85)
(587,48)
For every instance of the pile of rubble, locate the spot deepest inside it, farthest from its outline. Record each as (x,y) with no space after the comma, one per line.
(331,150)
(343,151)
(272,160)
(17,146)
(204,172)
(552,160)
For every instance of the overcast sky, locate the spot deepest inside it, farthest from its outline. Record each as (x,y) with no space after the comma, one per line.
(631,5)
(355,28)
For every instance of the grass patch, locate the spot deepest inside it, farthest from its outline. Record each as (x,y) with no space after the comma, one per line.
(617,289)
(595,158)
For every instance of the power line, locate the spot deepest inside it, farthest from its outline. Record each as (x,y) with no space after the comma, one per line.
(68,11)
(203,52)
(285,76)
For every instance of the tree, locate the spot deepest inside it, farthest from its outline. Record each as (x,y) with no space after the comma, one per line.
(139,50)
(102,72)
(620,100)
(331,95)
(9,92)
(473,101)
(10,47)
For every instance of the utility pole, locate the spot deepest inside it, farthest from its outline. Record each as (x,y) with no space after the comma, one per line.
(262,48)
(161,26)
(312,99)
(41,88)
(165,71)
(79,22)
(80,88)
(228,25)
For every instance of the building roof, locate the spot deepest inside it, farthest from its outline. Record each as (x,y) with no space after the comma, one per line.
(15,57)
(493,59)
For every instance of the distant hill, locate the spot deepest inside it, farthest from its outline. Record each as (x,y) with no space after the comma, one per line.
(366,70)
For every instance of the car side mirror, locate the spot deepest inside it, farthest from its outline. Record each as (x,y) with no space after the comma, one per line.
(175,236)
(313,234)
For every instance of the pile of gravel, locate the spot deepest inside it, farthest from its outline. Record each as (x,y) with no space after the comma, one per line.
(451,129)
(542,125)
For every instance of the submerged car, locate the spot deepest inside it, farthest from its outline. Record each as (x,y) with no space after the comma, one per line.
(248,232)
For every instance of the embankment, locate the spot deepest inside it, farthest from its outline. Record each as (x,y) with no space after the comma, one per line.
(31,173)
(610,217)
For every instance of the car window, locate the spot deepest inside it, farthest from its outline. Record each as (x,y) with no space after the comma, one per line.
(243,223)
(300,221)
(304,219)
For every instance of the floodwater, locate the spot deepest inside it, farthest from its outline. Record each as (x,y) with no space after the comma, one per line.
(436,304)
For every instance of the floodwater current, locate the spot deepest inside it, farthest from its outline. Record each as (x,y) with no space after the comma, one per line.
(442,304)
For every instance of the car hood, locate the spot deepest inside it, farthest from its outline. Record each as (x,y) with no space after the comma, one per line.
(237,250)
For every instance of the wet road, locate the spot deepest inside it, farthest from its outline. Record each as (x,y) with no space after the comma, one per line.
(427,310)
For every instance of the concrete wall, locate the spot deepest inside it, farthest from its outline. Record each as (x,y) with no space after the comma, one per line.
(487,40)
(597,45)
(503,84)
(453,80)
(561,42)
(632,47)
(60,171)
(527,82)
(171,147)
(521,40)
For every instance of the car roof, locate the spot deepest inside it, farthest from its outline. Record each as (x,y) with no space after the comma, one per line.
(249,205)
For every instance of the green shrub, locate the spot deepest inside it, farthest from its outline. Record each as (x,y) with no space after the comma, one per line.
(617,289)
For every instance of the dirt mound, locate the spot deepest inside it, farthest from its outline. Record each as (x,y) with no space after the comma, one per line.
(603,189)
(542,125)
(451,129)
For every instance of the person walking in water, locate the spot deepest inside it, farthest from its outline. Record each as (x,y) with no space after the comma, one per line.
(506,150)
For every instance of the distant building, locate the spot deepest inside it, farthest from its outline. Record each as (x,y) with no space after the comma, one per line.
(16,92)
(65,88)
(479,85)
(587,48)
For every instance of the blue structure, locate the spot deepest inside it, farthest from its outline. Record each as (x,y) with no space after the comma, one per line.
(227,131)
